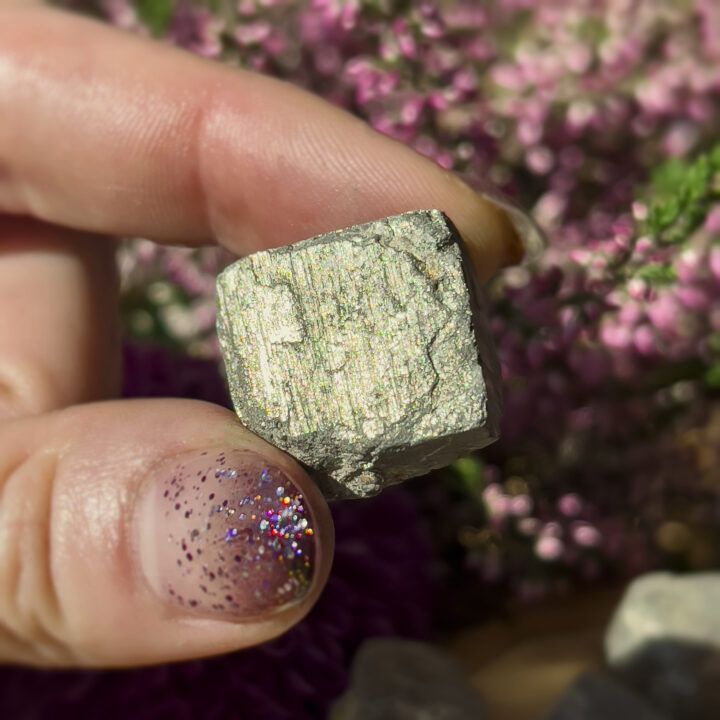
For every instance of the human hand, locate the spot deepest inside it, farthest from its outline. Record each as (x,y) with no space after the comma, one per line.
(115,546)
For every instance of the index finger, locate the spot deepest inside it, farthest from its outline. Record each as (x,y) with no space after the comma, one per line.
(107,132)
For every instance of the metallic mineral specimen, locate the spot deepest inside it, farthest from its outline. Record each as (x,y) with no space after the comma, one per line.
(363,352)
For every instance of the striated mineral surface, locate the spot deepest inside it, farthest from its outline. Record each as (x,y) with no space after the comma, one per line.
(363,352)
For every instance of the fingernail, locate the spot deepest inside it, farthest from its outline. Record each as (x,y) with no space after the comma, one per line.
(529,238)
(225,534)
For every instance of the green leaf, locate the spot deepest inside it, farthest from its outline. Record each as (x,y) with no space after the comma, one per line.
(681,196)
(156,14)
(470,471)
(663,214)
(698,178)
(657,274)
(667,178)
(592,30)
(713,342)
(715,158)
(712,376)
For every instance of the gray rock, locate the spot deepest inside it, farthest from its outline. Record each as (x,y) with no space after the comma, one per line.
(396,679)
(665,607)
(681,679)
(599,697)
(664,640)
(364,353)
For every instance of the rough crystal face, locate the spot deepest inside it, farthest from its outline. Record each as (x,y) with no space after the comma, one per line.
(362,352)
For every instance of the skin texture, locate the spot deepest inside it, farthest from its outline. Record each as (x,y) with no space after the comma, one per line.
(104,134)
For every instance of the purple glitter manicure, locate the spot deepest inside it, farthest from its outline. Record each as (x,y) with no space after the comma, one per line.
(232,536)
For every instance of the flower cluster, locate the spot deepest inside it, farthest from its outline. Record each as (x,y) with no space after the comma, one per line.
(599,116)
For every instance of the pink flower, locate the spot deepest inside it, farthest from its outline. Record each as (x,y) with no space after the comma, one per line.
(645,341)
(687,266)
(578,58)
(693,298)
(520,505)
(438,100)
(197,30)
(464,80)
(570,504)
(640,211)
(630,312)
(616,336)
(411,110)
(549,548)
(664,313)
(680,138)
(539,159)
(714,258)
(508,76)
(712,222)
(497,503)
(638,289)
(464,15)
(529,131)
(328,60)
(253,33)
(528,526)
(586,535)
(122,13)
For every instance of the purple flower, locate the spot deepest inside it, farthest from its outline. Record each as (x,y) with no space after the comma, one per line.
(196,30)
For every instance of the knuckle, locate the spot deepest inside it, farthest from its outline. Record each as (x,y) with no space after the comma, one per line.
(26,388)
(31,618)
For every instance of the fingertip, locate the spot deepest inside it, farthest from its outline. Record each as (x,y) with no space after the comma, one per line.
(149,562)
(229,561)
(228,534)
(496,231)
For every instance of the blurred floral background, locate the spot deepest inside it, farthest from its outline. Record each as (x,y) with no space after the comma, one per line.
(600,117)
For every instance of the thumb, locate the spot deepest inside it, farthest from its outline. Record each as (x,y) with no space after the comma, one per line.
(136,532)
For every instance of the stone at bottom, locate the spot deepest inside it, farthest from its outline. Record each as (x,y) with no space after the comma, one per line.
(395,679)
(664,640)
(661,606)
(680,678)
(598,697)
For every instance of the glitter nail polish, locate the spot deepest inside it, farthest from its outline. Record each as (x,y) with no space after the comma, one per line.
(225,533)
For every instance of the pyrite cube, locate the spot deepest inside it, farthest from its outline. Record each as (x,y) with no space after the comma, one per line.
(364,353)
